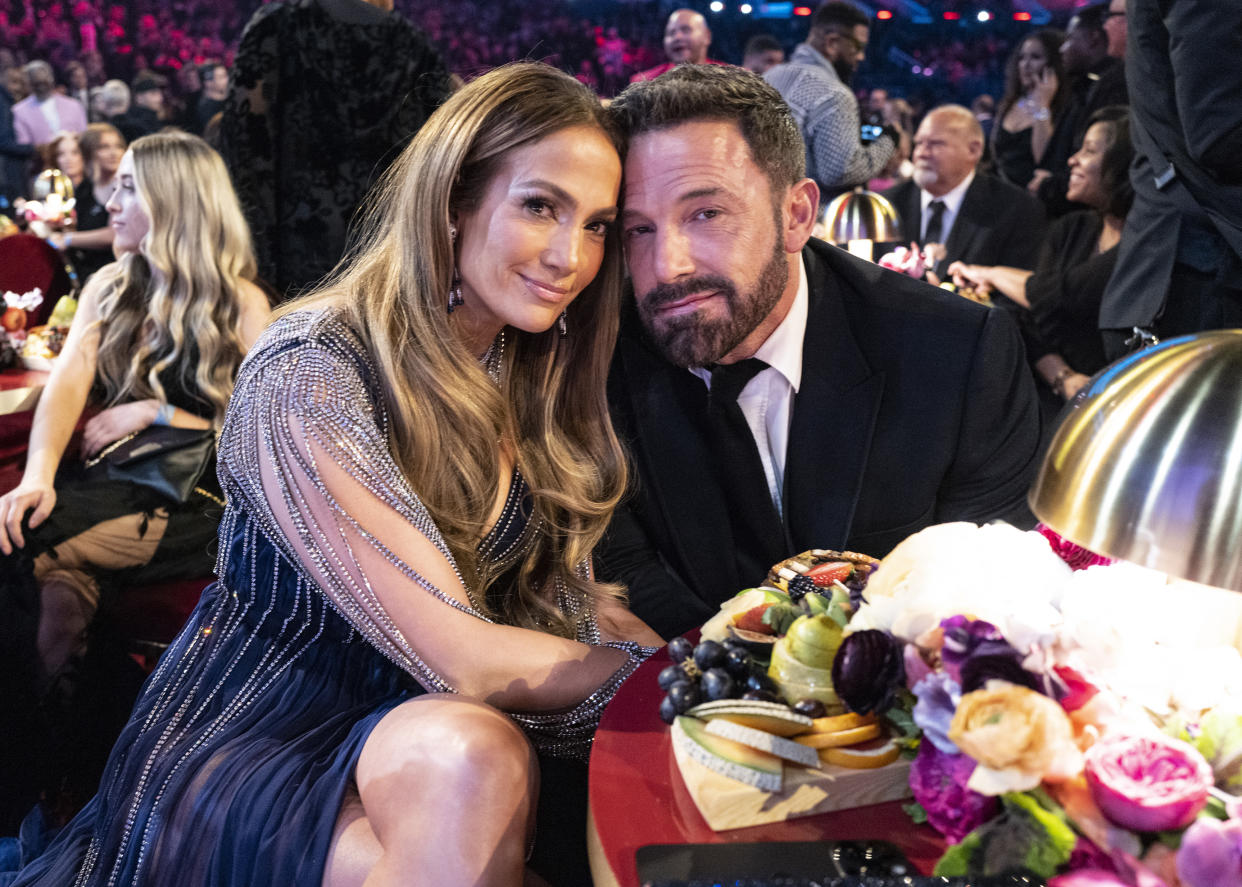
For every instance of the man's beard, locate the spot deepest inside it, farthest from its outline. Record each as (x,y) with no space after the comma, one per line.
(694,341)
(845,71)
(924,177)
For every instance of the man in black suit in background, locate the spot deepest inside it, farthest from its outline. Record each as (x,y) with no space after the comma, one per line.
(878,405)
(978,218)
(1180,266)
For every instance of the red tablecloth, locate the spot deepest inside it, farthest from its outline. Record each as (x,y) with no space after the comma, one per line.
(637,796)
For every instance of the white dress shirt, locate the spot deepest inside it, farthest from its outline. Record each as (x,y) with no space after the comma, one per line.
(767,399)
(50,113)
(952,206)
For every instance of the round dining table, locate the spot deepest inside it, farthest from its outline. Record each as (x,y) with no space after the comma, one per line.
(637,797)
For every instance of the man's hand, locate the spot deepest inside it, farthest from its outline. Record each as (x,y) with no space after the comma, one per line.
(13,507)
(116,422)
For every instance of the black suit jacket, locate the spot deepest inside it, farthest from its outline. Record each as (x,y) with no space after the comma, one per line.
(998,224)
(915,408)
(1186,123)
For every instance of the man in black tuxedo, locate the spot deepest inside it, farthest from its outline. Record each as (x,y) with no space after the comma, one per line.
(878,404)
(979,219)
(1179,269)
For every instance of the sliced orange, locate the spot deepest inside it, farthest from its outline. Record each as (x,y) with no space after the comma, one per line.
(847,721)
(839,738)
(866,756)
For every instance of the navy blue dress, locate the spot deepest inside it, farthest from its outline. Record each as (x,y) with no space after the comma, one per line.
(234,763)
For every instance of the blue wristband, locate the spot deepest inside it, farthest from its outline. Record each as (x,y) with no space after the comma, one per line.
(163,416)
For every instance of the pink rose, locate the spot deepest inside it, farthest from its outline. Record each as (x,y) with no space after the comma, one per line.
(1147,783)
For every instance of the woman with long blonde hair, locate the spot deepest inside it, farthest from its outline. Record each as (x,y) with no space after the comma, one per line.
(157,340)
(418,461)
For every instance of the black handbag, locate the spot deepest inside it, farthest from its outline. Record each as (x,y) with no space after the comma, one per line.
(166,460)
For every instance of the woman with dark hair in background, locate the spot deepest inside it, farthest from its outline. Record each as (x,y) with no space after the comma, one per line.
(1063,293)
(1035,95)
(89,245)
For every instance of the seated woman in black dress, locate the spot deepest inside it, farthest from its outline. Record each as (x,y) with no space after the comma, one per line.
(1063,293)
(1034,99)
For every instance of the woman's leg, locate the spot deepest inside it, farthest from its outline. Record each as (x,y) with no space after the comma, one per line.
(70,594)
(447,788)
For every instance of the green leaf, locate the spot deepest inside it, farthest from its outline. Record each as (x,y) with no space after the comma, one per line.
(916,812)
(780,617)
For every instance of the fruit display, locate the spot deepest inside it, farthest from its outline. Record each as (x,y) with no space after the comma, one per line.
(44,341)
(754,702)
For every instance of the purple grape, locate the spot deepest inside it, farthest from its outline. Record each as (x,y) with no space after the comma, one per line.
(668,711)
(717,684)
(680,649)
(737,663)
(761,683)
(812,708)
(709,654)
(760,696)
(684,695)
(671,675)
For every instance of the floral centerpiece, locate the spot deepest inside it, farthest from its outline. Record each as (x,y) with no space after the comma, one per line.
(1074,723)
(1061,715)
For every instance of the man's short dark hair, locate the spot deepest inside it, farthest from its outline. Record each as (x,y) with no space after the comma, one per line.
(725,93)
(762,43)
(1091,18)
(837,15)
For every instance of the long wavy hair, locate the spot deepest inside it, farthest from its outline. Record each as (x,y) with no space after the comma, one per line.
(1050,39)
(175,303)
(446,415)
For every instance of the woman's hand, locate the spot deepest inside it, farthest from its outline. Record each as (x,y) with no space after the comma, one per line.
(1041,176)
(975,276)
(116,422)
(1073,383)
(13,507)
(1045,87)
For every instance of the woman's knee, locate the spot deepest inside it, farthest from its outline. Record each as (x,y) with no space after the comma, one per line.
(443,743)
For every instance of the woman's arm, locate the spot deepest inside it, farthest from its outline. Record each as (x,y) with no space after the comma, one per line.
(96,238)
(1063,379)
(1010,282)
(57,414)
(255,314)
(321,469)
(1041,122)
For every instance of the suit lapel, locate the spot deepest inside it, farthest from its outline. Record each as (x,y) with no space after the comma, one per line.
(667,404)
(968,227)
(833,418)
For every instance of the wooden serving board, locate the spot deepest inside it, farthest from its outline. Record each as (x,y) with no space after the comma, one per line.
(726,803)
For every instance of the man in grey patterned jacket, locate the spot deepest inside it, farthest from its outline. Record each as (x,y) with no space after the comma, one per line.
(815,85)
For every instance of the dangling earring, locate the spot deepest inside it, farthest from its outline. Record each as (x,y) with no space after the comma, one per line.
(455,299)
(562,325)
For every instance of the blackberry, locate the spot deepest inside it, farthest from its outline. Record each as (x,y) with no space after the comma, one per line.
(800,587)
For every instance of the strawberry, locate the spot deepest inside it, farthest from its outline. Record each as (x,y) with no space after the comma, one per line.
(824,575)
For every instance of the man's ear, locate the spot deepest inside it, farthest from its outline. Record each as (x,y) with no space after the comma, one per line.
(800,211)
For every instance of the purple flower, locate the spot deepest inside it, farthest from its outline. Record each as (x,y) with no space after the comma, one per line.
(868,670)
(938,695)
(916,668)
(975,652)
(938,782)
(1211,853)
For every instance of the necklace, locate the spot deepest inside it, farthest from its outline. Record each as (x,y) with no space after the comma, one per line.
(493,358)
